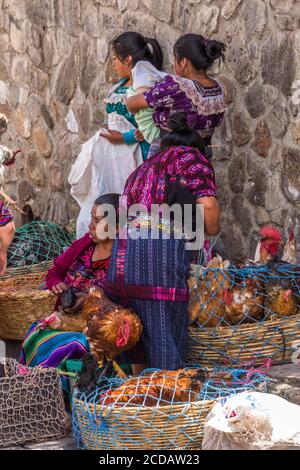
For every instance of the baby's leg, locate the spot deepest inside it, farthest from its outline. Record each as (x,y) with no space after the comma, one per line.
(7,233)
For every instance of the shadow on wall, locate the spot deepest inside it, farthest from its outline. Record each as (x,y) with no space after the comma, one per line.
(28,215)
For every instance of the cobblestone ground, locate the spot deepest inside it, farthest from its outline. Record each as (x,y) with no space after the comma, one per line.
(284,381)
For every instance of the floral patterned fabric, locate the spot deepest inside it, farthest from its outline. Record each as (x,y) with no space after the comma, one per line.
(204,106)
(5,214)
(85,273)
(147,184)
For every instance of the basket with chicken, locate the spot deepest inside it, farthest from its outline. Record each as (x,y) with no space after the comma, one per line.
(245,311)
(158,410)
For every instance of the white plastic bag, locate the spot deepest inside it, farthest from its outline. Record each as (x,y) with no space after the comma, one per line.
(252,420)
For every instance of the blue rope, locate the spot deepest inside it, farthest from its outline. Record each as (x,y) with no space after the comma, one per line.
(120,425)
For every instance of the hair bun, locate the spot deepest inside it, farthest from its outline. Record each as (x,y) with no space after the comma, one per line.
(215,49)
(178,122)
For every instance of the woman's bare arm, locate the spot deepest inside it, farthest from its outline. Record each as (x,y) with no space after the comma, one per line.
(211,215)
(135,103)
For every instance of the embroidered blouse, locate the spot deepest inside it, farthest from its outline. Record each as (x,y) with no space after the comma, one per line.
(204,106)
(147,185)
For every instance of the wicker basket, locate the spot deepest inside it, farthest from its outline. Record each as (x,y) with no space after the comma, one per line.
(141,428)
(22,303)
(34,268)
(239,344)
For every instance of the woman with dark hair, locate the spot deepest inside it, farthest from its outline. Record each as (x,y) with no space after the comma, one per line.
(108,158)
(191,90)
(83,265)
(149,271)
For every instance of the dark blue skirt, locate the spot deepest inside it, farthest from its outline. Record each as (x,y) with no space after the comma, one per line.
(150,276)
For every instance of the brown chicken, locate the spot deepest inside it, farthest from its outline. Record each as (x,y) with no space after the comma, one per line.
(281,299)
(110,328)
(161,386)
(207,287)
(244,302)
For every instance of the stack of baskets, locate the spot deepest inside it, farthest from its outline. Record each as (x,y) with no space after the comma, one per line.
(23,300)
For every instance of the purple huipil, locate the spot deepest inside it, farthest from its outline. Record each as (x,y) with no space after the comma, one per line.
(204,106)
(147,184)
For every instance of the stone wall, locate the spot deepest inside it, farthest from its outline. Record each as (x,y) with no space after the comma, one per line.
(55,70)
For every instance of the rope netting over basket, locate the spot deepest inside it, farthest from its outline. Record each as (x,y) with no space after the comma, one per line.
(243,314)
(158,410)
(36,242)
(31,405)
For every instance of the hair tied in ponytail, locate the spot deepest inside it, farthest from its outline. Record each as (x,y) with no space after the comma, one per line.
(139,48)
(215,49)
(199,50)
(149,45)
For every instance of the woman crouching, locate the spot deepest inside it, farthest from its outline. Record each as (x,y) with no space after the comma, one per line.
(84,265)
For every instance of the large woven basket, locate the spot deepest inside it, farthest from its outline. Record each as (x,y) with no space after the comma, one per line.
(104,427)
(34,268)
(238,344)
(22,303)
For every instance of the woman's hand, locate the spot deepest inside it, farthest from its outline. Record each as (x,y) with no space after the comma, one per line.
(79,304)
(138,135)
(114,137)
(59,288)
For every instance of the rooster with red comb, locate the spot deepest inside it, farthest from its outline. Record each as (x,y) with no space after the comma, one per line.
(269,245)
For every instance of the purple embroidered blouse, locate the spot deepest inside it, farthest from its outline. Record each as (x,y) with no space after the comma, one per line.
(147,184)
(204,106)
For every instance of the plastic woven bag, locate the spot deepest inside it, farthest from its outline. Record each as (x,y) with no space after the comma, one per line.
(252,421)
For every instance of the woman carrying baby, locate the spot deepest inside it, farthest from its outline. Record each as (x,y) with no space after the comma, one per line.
(191,90)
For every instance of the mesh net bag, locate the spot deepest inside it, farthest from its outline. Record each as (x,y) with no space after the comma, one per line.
(36,242)
(31,405)
(243,314)
(158,410)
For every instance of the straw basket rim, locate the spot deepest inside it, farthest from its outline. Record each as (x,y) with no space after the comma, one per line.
(19,292)
(272,321)
(24,270)
(238,344)
(147,409)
